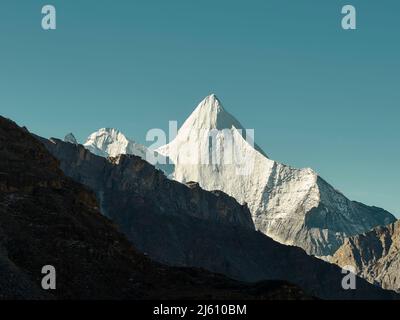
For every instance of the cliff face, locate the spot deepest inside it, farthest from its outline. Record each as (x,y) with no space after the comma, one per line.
(48,219)
(183,225)
(124,175)
(375,255)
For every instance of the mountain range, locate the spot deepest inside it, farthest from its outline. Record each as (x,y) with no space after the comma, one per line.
(47,218)
(214,208)
(292,206)
(184,225)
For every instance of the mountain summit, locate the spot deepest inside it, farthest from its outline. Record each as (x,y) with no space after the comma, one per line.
(293,206)
(109,142)
(210,114)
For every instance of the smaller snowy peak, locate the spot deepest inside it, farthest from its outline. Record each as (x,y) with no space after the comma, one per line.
(106,136)
(70,138)
(109,142)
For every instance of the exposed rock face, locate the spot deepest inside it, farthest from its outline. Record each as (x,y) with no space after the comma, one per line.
(70,138)
(184,225)
(293,206)
(124,176)
(48,219)
(375,256)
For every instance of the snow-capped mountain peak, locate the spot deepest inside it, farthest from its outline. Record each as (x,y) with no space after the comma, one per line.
(110,142)
(107,136)
(293,206)
(210,114)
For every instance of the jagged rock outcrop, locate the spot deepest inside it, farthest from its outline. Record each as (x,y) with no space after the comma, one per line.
(292,206)
(374,255)
(70,138)
(48,219)
(183,225)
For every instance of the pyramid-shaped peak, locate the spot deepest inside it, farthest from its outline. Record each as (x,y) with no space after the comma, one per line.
(211,103)
(212,99)
(210,114)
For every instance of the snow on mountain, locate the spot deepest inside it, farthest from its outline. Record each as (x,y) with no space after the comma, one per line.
(109,142)
(293,206)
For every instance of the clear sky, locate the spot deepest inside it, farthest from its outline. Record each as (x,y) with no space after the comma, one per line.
(316,95)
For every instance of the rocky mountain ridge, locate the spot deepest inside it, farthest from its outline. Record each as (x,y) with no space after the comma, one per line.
(183,225)
(48,219)
(374,255)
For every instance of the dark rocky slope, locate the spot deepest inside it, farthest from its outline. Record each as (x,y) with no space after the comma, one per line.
(187,226)
(48,219)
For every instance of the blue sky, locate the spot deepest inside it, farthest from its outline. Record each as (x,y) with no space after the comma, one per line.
(316,95)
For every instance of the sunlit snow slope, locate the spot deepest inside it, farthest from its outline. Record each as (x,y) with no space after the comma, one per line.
(293,206)
(108,142)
